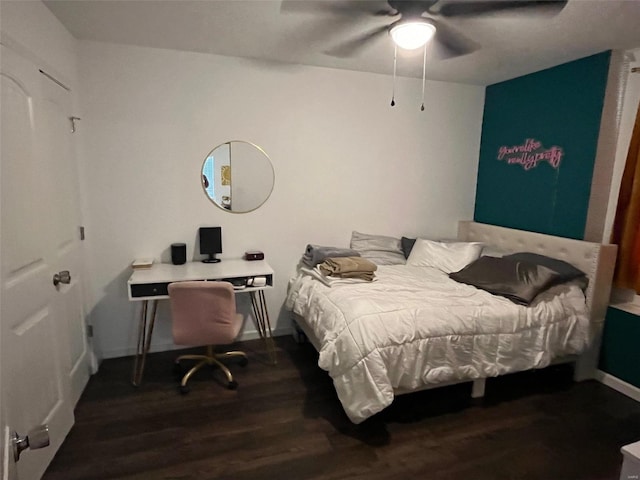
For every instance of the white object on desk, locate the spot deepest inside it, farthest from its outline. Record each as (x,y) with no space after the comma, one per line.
(151,284)
(142,263)
(257,281)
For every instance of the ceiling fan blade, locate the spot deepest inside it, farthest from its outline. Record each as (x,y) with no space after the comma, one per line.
(317,34)
(352,46)
(478,7)
(339,7)
(450,42)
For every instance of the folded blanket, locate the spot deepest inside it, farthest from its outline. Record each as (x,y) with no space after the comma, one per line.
(348,267)
(366,276)
(331,281)
(315,254)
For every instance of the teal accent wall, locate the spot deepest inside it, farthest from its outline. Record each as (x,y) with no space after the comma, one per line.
(562,107)
(620,354)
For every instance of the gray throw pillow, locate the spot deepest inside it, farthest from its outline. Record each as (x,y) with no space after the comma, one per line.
(517,280)
(566,271)
(380,249)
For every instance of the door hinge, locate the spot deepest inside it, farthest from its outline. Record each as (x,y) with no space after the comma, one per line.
(90,331)
(81,233)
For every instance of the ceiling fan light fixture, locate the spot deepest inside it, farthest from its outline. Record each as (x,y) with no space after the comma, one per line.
(412,34)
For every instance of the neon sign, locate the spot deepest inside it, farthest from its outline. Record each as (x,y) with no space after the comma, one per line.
(530,154)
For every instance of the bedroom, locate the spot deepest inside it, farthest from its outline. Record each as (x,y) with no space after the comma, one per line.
(149,116)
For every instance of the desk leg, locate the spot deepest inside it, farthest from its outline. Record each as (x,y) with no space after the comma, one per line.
(261,315)
(145,331)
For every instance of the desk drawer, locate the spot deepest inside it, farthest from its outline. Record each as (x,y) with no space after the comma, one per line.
(149,290)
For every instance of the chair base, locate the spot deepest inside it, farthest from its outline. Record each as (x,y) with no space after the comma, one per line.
(210,358)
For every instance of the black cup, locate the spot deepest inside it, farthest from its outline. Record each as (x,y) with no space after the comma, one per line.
(178,253)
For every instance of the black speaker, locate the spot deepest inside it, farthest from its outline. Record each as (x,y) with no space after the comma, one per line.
(178,253)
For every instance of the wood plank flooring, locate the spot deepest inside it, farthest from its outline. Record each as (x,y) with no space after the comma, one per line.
(285,422)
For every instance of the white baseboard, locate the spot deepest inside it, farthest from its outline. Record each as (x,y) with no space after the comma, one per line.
(621,386)
(163,347)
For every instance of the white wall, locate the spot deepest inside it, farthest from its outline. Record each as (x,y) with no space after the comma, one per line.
(343,160)
(31,28)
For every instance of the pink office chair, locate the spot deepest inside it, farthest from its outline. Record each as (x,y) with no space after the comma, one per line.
(204,313)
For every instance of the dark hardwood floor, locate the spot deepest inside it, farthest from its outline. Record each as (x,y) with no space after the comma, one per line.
(285,422)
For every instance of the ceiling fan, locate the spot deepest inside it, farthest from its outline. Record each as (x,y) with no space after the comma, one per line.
(421,21)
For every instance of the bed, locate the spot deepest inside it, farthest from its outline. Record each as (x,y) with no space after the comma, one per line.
(415,328)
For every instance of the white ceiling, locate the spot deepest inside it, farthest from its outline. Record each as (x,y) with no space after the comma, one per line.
(510,45)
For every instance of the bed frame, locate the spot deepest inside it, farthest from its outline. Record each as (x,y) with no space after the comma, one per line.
(595,259)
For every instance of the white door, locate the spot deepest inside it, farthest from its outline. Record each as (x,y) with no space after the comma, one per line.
(43,349)
(63,233)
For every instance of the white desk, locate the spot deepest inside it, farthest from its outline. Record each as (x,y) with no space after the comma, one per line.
(151,284)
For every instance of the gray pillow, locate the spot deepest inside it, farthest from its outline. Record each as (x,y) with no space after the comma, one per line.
(407,244)
(517,280)
(566,271)
(380,249)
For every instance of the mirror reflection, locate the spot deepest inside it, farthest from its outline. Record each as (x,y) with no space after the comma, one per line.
(237,176)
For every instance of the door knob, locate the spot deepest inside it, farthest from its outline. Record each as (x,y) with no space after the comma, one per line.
(36,438)
(61,277)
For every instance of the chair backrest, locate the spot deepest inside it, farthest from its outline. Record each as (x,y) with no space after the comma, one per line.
(203,313)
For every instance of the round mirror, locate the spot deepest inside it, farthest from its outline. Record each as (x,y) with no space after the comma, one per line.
(237,176)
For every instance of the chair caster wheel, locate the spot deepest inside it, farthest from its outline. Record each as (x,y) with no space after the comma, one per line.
(183,389)
(232,385)
(243,362)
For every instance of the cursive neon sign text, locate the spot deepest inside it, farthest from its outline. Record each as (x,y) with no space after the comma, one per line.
(530,154)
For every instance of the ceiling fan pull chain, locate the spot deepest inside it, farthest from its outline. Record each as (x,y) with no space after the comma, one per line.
(393,89)
(424,73)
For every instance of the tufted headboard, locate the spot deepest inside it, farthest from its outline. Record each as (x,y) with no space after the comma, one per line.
(595,259)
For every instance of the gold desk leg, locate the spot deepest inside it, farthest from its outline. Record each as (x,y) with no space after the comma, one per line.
(259,304)
(145,331)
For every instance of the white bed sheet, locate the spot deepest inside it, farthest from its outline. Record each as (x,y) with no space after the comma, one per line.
(416,327)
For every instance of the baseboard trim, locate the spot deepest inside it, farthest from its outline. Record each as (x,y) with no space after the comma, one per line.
(163,347)
(621,386)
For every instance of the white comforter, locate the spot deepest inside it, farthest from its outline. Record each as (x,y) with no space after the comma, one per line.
(414,327)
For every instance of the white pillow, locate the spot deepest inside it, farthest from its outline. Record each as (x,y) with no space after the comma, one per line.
(448,257)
